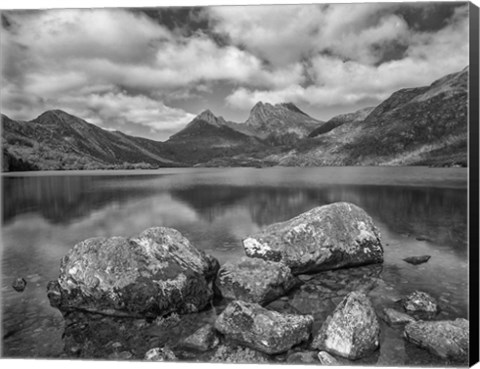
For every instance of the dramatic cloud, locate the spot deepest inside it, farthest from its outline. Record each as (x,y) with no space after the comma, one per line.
(148,72)
(339,82)
(347,30)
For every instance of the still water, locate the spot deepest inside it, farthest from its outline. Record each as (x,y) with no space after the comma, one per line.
(417,210)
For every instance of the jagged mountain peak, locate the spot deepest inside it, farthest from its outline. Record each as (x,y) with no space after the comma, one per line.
(260,107)
(209,117)
(282,123)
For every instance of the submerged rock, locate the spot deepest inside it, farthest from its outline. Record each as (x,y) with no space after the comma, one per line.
(19,284)
(326,237)
(424,238)
(254,280)
(352,331)
(203,339)
(327,359)
(447,339)
(302,357)
(122,355)
(415,260)
(236,354)
(392,316)
(420,304)
(160,354)
(267,331)
(155,273)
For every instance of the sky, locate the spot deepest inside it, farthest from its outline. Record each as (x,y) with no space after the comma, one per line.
(149,71)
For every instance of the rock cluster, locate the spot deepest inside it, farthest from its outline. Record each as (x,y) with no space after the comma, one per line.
(160,278)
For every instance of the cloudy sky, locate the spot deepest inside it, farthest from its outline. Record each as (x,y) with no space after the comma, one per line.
(149,71)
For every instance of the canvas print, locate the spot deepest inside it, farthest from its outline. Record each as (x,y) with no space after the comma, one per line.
(276,184)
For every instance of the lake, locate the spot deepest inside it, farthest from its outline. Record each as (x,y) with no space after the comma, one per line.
(418,211)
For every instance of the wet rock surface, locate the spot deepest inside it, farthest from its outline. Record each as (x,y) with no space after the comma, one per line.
(100,336)
(19,284)
(392,317)
(203,339)
(155,273)
(327,237)
(303,357)
(160,354)
(326,359)
(264,330)
(238,355)
(352,331)
(421,305)
(334,308)
(255,280)
(446,339)
(416,260)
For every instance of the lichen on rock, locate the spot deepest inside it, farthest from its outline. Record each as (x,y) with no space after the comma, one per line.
(326,237)
(264,330)
(448,339)
(254,280)
(155,273)
(352,331)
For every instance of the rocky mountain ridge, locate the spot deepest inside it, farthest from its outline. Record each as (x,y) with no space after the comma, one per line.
(414,126)
(58,140)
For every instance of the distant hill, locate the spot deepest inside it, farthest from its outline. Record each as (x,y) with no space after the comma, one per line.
(56,140)
(414,126)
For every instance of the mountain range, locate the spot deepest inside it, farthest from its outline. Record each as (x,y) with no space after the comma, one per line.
(414,126)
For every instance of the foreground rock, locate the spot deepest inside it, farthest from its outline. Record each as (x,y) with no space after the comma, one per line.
(394,317)
(327,237)
(352,331)
(155,273)
(237,354)
(264,330)
(255,280)
(327,359)
(446,339)
(203,339)
(420,304)
(160,354)
(302,357)
(415,260)
(19,284)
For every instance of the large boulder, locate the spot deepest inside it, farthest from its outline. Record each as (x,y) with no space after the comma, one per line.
(353,329)
(326,237)
(155,273)
(254,280)
(447,339)
(264,330)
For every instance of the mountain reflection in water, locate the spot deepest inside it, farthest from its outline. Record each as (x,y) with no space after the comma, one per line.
(45,215)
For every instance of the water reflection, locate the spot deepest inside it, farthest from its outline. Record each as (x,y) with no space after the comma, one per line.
(44,216)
